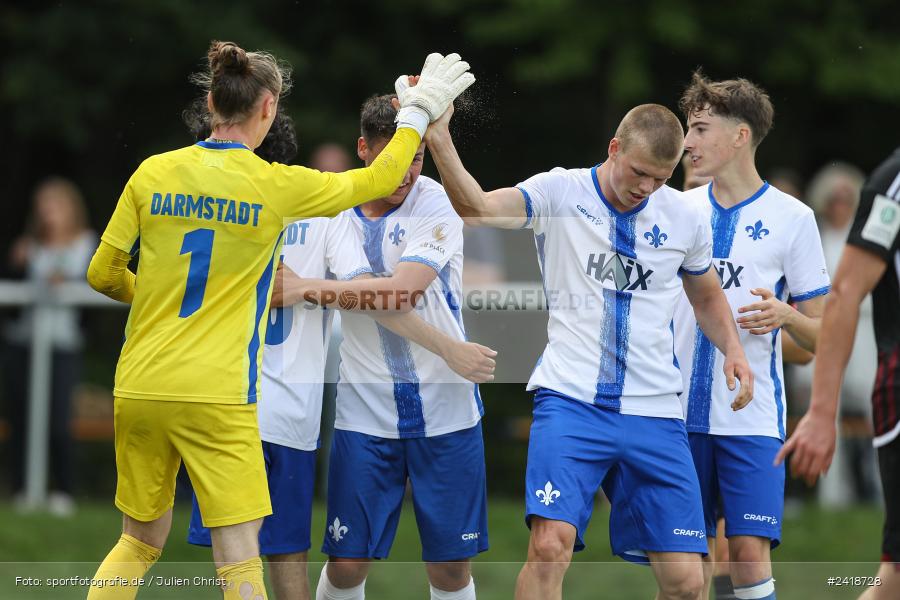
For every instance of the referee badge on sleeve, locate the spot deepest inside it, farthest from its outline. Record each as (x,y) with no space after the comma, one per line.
(883,223)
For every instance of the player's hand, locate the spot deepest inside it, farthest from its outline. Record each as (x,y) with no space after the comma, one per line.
(442,79)
(811,447)
(441,125)
(284,291)
(771,313)
(472,361)
(403,83)
(737,370)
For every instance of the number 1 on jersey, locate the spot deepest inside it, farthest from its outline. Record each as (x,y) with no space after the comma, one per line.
(198,243)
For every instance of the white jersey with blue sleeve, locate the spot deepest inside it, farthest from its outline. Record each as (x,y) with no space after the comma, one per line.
(611,281)
(770,241)
(390,387)
(297,337)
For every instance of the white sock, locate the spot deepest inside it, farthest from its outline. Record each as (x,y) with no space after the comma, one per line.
(327,591)
(467,593)
(763,590)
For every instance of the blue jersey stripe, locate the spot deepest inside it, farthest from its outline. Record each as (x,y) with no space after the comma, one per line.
(262,297)
(810,295)
(700,387)
(422,260)
(773,367)
(454,306)
(398,358)
(696,273)
(394,348)
(724,220)
(616,328)
(450,297)
(529,208)
(373,236)
(672,332)
(724,224)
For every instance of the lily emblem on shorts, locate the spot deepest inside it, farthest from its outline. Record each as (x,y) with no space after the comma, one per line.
(337,530)
(548,494)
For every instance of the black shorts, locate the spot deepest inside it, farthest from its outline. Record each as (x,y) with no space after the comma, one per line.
(889,465)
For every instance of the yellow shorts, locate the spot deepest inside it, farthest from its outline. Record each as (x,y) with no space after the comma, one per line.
(222,453)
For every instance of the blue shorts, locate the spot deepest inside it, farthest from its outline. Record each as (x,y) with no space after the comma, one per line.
(291,474)
(367,481)
(737,469)
(643,464)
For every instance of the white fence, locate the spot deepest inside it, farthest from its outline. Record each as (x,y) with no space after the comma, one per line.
(42,299)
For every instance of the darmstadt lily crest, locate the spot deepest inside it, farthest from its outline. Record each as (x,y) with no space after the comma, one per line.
(548,494)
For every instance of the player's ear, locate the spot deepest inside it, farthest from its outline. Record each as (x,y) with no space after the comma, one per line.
(209,104)
(613,147)
(362,149)
(744,135)
(270,105)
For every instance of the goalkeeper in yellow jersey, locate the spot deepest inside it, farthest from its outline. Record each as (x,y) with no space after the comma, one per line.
(207,221)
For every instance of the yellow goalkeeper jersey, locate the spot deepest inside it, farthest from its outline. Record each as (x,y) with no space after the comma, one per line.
(207,221)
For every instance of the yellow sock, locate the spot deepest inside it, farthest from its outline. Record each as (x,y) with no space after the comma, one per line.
(243,580)
(118,575)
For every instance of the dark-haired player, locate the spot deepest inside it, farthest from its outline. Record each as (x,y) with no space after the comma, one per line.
(765,247)
(401,414)
(293,368)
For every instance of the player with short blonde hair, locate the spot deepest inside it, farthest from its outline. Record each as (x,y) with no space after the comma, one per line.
(612,241)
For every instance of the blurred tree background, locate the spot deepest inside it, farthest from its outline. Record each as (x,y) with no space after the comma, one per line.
(90,89)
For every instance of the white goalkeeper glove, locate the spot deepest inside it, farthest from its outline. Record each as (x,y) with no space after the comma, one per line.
(442,79)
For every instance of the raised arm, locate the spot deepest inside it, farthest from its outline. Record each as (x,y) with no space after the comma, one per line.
(713,315)
(315,194)
(504,208)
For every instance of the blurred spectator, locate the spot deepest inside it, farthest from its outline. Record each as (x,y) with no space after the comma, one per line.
(57,247)
(833,194)
(787,180)
(330,157)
